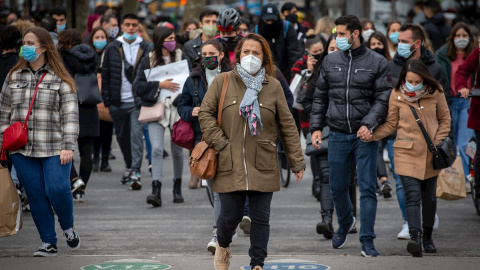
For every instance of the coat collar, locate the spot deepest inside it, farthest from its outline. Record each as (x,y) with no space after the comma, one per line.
(46,67)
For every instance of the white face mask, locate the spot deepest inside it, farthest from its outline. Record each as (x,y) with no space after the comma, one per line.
(367,33)
(251,64)
(461,43)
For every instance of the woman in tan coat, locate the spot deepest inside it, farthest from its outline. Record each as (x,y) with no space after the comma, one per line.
(413,161)
(254,109)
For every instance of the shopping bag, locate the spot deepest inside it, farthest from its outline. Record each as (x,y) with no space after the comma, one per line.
(451,182)
(103,113)
(10,205)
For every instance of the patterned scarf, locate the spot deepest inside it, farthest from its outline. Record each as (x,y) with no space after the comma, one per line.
(413,96)
(249,107)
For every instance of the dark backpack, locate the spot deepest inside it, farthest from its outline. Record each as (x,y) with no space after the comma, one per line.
(286,25)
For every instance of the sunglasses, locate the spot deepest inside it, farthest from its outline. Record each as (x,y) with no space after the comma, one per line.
(223,29)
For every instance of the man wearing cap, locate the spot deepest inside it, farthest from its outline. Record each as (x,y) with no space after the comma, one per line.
(289,12)
(281,37)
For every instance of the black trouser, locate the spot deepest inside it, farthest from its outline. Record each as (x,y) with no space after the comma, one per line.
(420,194)
(85,145)
(321,169)
(476,165)
(381,167)
(232,213)
(105,139)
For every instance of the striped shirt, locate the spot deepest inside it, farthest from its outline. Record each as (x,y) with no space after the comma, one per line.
(53,122)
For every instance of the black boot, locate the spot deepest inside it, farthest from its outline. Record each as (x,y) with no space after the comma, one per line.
(155,198)
(316,186)
(325,227)
(414,246)
(96,161)
(177,191)
(427,240)
(105,167)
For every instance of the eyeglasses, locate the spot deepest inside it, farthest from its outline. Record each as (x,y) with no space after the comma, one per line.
(223,29)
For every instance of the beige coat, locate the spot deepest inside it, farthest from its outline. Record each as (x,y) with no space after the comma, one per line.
(247,162)
(412,157)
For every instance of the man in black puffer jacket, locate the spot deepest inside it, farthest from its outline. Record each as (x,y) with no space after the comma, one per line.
(351,98)
(119,65)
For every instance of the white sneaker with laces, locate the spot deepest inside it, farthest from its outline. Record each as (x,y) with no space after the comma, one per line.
(404,233)
(437,220)
(212,245)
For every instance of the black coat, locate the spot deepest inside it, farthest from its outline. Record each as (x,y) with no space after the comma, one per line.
(82,59)
(112,71)
(428,58)
(353,89)
(7,61)
(437,30)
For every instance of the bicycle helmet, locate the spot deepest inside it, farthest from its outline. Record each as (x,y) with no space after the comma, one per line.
(229,20)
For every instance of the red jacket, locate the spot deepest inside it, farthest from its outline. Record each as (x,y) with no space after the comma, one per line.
(461,77)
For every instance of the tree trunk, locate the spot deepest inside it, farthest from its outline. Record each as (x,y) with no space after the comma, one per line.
(130,6)
(394,9)
(77,14)
(193,9)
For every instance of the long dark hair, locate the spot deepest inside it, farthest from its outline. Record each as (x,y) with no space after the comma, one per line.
(159,36)
(378,35)
(452,50)
(418,67)
(225,63)
(267,53)
(95,30)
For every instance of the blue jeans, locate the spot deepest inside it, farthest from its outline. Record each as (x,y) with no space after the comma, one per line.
(343,148)
(398,183)
(47,185)
(461,133)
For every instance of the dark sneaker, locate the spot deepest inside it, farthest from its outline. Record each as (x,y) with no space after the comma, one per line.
(46,250)
(386,189)
(368,249)
(73,240)
(126,176)
(340,237)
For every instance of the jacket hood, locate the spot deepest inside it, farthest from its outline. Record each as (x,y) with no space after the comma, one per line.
(80,59)
(438,19)
(137,41)
(427,57)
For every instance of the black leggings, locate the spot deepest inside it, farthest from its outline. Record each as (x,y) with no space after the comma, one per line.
(420,195)
(85,145)
(381,167)
(105,139)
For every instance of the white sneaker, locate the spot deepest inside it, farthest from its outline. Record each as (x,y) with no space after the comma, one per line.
(435,225)
(404,233)
(212,245)
(468,188)
(245,224)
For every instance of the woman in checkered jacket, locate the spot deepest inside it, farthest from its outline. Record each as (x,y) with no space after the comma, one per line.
(43,164)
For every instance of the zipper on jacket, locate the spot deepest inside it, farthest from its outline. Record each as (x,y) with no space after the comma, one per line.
(348,90)
(339,68)
(244,154)
(363,69)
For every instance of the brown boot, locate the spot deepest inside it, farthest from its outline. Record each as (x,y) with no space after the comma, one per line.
(258,267)
(222,258)
(193,183)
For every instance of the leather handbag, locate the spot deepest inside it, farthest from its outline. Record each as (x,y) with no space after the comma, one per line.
(16,135)
(87,89)
(154,113)
(310,150)
(203,160)
(443,154)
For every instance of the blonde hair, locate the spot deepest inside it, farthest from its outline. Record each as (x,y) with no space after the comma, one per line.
(143,29)
(325,25)
(52,58)
(23,26)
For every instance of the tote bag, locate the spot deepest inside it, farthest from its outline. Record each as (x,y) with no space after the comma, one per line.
(10,205)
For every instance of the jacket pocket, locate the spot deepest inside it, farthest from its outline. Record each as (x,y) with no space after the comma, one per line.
(265,156)
(270,107)
(403,143)
(363,76)
(336,74)
(230,101)
(47,94)
(225,163)
(18,91)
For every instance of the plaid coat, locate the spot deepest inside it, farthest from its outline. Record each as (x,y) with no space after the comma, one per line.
(53,122)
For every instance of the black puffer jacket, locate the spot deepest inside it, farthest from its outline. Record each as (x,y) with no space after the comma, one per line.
(82,59)
(437,30)
(112,71)
(428,58)
(353,89)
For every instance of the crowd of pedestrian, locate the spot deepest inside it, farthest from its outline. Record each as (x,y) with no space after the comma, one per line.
(250,89)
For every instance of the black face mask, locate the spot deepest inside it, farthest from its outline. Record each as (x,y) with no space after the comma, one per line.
(272,30)
(231,42)
(293,18)
(317,56)
(379,51)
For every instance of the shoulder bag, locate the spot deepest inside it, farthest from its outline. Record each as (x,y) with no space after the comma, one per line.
(154,113)
(443,154)
(203,160)
(16,135)
(87,89)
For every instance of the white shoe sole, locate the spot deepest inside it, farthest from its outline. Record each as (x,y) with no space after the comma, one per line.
(368,256)
(211,248)
(44,254)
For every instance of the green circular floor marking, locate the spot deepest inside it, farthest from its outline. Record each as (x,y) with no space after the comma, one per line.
(126,266)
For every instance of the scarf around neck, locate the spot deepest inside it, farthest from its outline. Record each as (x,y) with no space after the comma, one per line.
(413,96)
(249,107)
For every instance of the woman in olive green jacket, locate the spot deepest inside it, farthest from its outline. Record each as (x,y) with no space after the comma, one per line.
(254,109)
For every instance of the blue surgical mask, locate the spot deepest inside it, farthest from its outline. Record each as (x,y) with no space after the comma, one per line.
(100,44)
(28,53)
(130,37)
(415,88)
(342,43)
(394,37)
(61,27)
(404,50)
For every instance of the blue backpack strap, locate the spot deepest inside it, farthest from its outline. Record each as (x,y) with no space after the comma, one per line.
(286,24)
(256,29)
